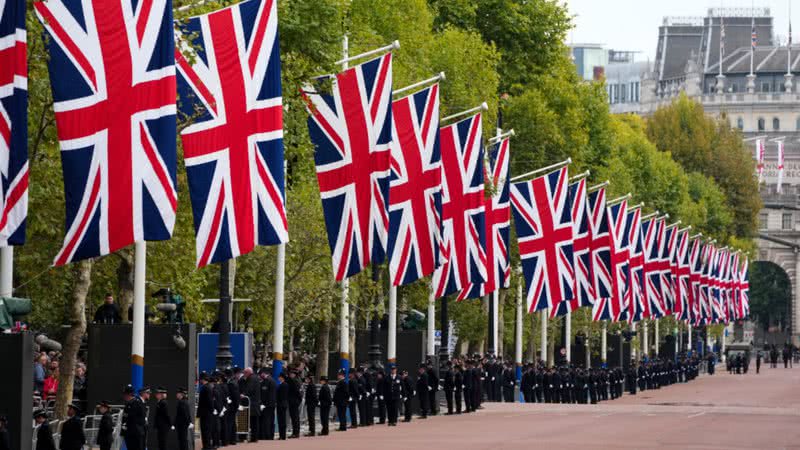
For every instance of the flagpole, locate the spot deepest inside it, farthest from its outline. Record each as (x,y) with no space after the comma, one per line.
(495,314)
(567,336)
(344,310)
(137,338)
(555,166)
(656,337)
(7,271)
(604,344)
(518,339)
(543,350)
(633,347)
(431,322)
(277,319)
(645,339)
(391,348)
(690,344)
(436,79)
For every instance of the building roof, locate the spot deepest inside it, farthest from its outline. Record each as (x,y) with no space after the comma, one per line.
(767,59)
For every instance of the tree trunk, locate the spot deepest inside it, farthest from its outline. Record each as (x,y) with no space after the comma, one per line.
(323,343)
(80,289)
(125,281)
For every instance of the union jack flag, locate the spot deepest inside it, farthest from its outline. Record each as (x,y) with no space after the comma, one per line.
(638,307)
(13,123)
(234,149)
(614,307)
(463,229)
(498,217)
(581,247)
(600,249)
(652,231)
(415,188)
(543,217)
(681,276)
(744,291)
(715,287)
(666,263)
(735,299)
(351,129)
(112,70)
(707,262)
(695,270)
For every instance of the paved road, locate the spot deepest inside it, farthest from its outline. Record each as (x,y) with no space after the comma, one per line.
(714,412)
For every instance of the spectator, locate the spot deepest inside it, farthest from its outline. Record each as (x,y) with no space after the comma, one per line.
(79,384)
(51,383)
(108,312)
(39,372)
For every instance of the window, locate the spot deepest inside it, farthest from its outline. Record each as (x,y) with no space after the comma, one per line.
(786,221)
(740,124)
(762,221)
(636,91)
(797,124)
(624,89)
(765,87)
(776,124)
(761,124)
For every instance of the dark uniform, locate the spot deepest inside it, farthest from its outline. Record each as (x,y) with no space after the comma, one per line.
(341,395)
(295,399)
(469,386)
(422,392)
(269,389)
(449,386)
(458,388)
(163,424)
(393,396)
(509,381)
(433,389)
(325,401)
(105,431)
(183,418)
(353,392)
(231,409)
(408,394)
(44,436)
(311,406)
(282,404)
(205,411)
(382,389)
(135,424)
(252,389)
(72,437)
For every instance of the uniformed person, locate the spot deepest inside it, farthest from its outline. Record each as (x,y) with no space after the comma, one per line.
(232,408)
(311,405)
(449,386)
(163,422)
(134,420)
(282,404)
(341,396)
(509,380)
(393,395)
(325,401)
(469,385)
(105,431)
(458,387)
(72,436)
(408,394)
(382,391)
(433,390)
(354,393)
(219,393)
(251,387)
(205,410)
(422,391)
(295,399)
(266,427)
(183,419)
(44,435)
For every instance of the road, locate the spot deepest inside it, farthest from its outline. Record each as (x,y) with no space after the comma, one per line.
(713,412)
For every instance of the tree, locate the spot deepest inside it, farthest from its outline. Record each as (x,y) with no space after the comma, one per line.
(770,295)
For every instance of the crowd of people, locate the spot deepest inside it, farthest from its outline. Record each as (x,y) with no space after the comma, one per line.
(46,372)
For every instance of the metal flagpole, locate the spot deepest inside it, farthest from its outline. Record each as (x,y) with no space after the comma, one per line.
(490,344)
(604,344)
(224,355)
(277,319)
(495,314)
(137,339)
(518,339)
(431,322)
(645,347)
(567,336)
(633,347)
(543,350)
(656,337)
(689,338)
(391,348)
(6,271)
(344,310)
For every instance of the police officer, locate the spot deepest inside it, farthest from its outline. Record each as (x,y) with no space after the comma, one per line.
(232,408)
(134,420)
(341,397)
(251,387)
(325,401)
(458,387)
(354,393)
(311,405)
(408,394)
(295,399)
(382,389)
(433,389)
(509,381)
(105,431)
(393,395)
(183,419)
(268,388)
(205,410)
(44,435)
(72,437)
(422,391)
(449,386)
(282,404)
(163,422)
(469,386)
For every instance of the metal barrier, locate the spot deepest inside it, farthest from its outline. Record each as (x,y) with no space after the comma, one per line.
(243,419)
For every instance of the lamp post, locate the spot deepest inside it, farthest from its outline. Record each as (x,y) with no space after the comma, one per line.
(374,335)
(226,274)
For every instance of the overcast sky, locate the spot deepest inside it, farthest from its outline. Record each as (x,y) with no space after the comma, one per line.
(633,24)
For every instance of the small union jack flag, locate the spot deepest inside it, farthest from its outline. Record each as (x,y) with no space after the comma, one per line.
(112,70)
(463,229)
(695,270)
(234,149)
(351,129)
(543,217)
(744,291)
(415,192)
(707,262)
(615,306)
(638,307)
(581,251)
(13,123)
(681,276)
(652,231)
(666,264)
(600,248)
(498,218)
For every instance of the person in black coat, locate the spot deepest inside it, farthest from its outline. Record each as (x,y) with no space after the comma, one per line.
(205,410)
(447,380)
(5,437)
(353,391)
(422,391)
(433,389)
(282,404)
(108,312)
(220,402)
(311,404)
(382,391)
(363,396)
(408,394)
(232,407)
(134,422)
(458,387)
(509,381)
(44,436)
(469,386)
(163,422)
(268,392)
(252,389)
(393,394)
(325,401)
(72,437)
(183,419)
(295,399)
(105,431)
(341,397)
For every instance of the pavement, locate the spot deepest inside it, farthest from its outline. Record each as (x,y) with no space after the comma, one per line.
(723,411)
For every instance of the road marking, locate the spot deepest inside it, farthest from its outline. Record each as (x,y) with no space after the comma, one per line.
(604,415)
(697,415)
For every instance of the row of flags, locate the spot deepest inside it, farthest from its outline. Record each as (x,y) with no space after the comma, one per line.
(395,184)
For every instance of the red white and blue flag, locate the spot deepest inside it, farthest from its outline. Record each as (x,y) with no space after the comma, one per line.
(615,306)
(112,71)
(463,229)
(681,277)
(498,223)
(638,307)
(415,187)
(543,217)
(707,262)
(13,123)
(351,129)
(743,309)
(652,231)
(695,270)
(234,147)
(600,248)
(581,246)
(666,266)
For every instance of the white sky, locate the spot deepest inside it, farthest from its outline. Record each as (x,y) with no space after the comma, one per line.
(633,24)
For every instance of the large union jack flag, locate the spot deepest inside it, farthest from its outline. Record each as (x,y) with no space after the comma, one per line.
(112,70)
(638,307)
(652,232)
(666,264)
(543,217)
(463,229)
(498,217)
(234,148)
(581,251)
(351,129)
(615,306)
(415,187)
(600,250)
(706,262)
(695,270)
(681,276)
(13,123)
(743,309)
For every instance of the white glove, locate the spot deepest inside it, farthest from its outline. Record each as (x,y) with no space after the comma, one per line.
(373,391)
(492,378)
(229,401)
(262,407)
(241,408)
(430,388)
(463,387)
(172,428)
(223,411)
(350,399)
(380,397)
